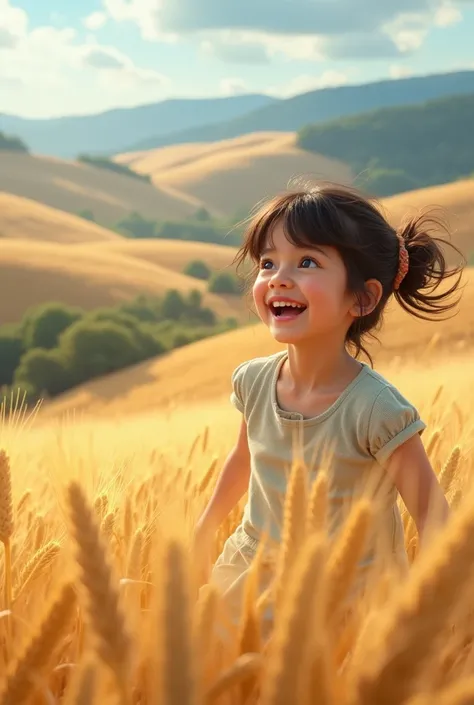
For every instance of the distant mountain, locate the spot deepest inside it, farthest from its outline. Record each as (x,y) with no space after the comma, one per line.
(403,148)
(114,130)
(322,105)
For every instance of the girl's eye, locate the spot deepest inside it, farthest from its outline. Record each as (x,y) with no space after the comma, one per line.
(266,264)
(307,263)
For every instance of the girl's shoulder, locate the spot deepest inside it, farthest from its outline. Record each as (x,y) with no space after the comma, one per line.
(390,417)
(253,375)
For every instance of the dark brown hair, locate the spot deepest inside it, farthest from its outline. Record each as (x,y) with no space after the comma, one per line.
(369,246)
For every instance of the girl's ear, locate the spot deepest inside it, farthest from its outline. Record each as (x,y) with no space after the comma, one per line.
(368,300)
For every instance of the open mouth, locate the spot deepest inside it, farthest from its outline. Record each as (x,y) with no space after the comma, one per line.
(285,310)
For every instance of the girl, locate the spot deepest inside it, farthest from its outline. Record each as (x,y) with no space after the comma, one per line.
(326,263)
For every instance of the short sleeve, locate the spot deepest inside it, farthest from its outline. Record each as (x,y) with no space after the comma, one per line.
(237,396)
(393,421)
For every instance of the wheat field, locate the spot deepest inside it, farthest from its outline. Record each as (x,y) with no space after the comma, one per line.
(99,593)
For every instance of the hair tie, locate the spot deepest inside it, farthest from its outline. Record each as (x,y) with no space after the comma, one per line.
(402,264)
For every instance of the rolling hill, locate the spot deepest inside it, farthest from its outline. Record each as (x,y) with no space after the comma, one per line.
(36,272)
(172,254)
(453,202)
(29,220)
(234,174)
(73,187)
(114,130)
(320,106)
(200,373)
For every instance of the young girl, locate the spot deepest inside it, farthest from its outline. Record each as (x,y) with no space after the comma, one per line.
(326,265)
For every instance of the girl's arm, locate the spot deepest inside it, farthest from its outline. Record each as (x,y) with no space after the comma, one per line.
(418,486)
(231,485)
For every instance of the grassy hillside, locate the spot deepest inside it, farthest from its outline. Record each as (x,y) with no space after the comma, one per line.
(73,187)
(41,272)
(200,373)
(29,220)
(400,148)
(234,174)
(322,105)
(114,130)
(453,202)
(172,254)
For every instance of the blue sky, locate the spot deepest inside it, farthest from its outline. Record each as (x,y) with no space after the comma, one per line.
(60,57)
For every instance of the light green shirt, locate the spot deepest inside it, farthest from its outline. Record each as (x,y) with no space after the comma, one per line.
(352,440)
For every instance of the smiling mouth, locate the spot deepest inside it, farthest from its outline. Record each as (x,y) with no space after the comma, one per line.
(286,310)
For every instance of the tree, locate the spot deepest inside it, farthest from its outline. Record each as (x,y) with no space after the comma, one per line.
(87,214)
(95,348)
(147,343)
(43,371)
(43,325)
(11,349)
(224,283)
(197,269)
(173,306)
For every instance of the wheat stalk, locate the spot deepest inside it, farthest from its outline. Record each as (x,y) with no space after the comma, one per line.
(177,683)
(289,659)
(102,599)
(6,524)
(407,636)
(35,657)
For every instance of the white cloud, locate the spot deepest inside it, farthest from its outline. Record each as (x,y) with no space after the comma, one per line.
(399,71)
(49,71)
(251,31)
(13,23)
(95,21)
(232,49)
(232,86)
(447,15)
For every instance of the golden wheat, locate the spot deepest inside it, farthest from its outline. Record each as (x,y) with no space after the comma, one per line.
(140,632)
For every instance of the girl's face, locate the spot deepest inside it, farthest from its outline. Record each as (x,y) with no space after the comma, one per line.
(300,293)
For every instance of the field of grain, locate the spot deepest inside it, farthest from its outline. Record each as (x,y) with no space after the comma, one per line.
(229,175)
(99,592)
(37,272)
(72,187)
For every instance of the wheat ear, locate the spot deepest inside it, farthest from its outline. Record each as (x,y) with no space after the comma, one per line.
(6,523)
(34,659)
(345,555)
(102,599)
(289,658)
(407,635)
(294,527)
(35,565)
(176,672)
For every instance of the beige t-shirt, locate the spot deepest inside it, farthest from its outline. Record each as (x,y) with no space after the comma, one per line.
(353,440)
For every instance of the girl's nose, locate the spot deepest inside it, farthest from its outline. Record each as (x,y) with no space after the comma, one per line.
(281,280)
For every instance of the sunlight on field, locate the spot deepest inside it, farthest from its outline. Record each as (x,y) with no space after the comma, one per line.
(120,536)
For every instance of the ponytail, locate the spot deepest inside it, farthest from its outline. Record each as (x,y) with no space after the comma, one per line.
(423,291)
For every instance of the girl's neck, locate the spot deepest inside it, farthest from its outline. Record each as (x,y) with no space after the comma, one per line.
(323,369)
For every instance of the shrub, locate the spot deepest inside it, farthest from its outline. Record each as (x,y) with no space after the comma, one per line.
(95,348)
(43,371)
(198,269)
(42,325)
(173,306)
(224,283)
(11,349)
